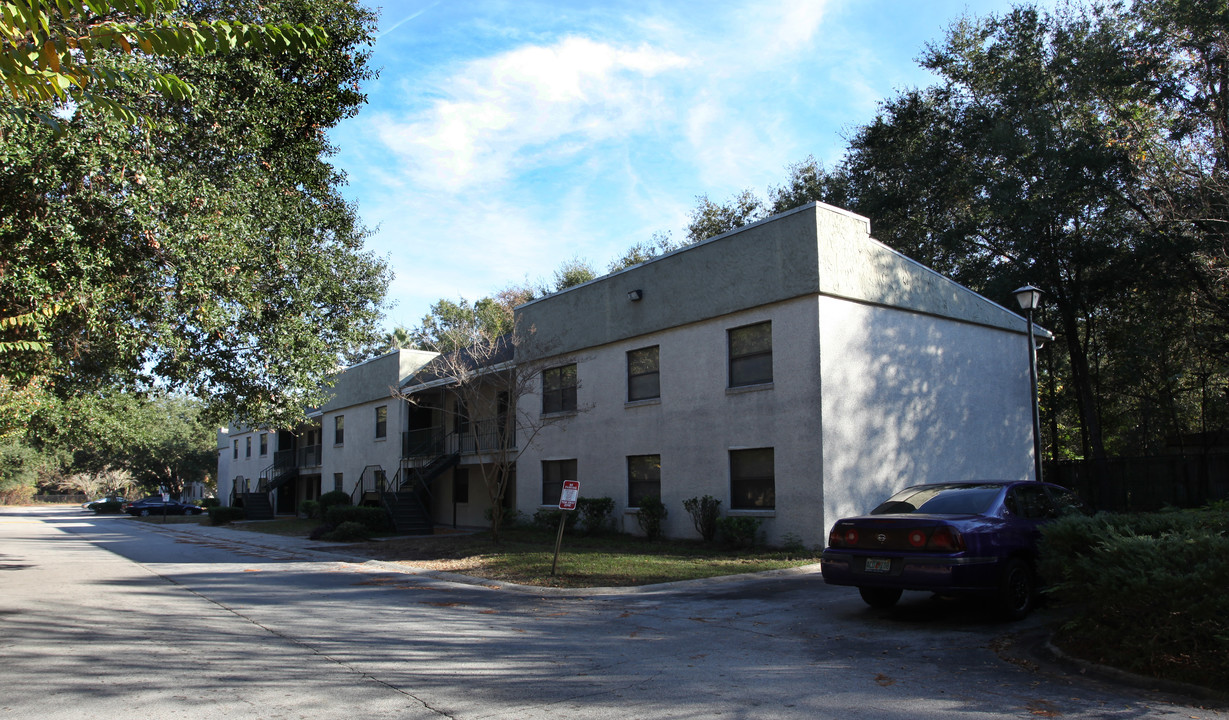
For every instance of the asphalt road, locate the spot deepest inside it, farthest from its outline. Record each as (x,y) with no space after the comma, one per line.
(110,617)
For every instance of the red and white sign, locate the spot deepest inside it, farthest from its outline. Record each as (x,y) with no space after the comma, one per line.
(567,499)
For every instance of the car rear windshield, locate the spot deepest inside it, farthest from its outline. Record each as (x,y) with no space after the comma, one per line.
(941,500)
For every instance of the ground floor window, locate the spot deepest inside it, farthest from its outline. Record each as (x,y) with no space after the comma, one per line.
(643,478)
(337,482)
(554,474)
(752,479)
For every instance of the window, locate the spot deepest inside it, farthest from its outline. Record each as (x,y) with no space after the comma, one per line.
(460,485)
(236,448)
(337,482)
(382,421)
(559,389)
(264,444)
(752,480)
(248,451)
(339,430)
(554,473)
(643,377)
(751,354)
(643,478)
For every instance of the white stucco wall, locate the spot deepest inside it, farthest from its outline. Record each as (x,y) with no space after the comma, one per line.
(360,447)
(696,422)
(912,398)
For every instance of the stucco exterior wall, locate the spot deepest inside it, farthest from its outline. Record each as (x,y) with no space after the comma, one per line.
(911,398)
(695,424)
(360,447)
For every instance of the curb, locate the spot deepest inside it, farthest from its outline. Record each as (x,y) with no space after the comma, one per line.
(1117,676)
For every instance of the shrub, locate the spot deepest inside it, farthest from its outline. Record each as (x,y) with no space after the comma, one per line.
(739,532)
(329,499)
(349,531)
(1147,591)
(374,519)
(704,511)
(595,513)
(792,544)
(210,502)
(651,514)
(110,507)
(548,519)
(310,509)
(321,531)
(223,515)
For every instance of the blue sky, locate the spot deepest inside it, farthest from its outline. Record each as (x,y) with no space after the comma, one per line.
(504,137)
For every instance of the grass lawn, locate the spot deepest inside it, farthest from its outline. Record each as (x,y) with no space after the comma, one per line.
(524,556)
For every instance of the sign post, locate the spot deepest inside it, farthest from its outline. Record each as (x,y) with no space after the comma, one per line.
(567,503)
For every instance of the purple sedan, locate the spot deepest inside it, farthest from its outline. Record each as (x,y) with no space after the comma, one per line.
(949,538)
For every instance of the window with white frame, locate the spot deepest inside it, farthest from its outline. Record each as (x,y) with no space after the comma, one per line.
(264,444)
(339,430)
(753,479)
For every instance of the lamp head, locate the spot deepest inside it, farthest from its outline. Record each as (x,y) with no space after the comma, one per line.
(1029,297)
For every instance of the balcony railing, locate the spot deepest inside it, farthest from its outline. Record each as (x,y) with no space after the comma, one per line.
(480,436)
(309,456)
(485,436)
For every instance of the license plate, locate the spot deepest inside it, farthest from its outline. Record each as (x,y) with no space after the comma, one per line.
(878,565)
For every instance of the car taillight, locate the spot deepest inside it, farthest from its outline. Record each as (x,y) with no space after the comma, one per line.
(946,539)
(917,538)
(843,537)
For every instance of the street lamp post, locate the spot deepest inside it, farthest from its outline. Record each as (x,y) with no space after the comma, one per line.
(1029,298)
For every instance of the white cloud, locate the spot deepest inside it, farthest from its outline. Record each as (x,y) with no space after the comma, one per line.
(498,117)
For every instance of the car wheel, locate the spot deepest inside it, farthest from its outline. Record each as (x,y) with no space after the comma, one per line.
(879,597)
(145,512)
(1017,590)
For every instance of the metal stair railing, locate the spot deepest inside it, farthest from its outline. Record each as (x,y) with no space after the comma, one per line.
(374,481)
(393,500)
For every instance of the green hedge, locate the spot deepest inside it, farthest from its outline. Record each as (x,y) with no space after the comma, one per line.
(374,519)
(1148,592)
(224,515)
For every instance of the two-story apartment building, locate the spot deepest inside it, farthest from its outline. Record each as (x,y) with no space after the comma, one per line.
(353,440)
(795,369)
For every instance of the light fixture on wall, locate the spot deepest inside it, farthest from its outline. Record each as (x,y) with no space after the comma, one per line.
(1029,298)
(634,295)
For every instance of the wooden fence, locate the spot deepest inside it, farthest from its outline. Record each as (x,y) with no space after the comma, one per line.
(1145,483)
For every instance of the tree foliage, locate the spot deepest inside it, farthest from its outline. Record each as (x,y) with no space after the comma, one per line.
(212,252)
(56,52)
(1083,151)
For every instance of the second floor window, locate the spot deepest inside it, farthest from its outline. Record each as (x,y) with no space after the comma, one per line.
(643,377)
(264,444)
(751,354)
(559,389)
(339,430)
(236,449)
(382,421)
(248,451)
